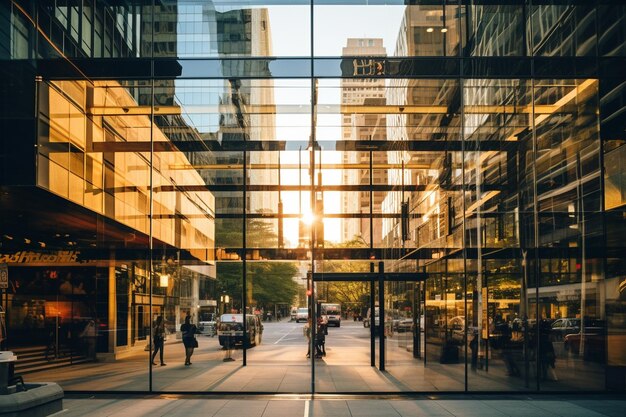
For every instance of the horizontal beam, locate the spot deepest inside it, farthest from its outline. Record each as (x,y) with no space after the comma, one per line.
(344,255)
(274,166)
(271,109)
(449,67)
(326,215)
(369,276)
(363,188)
(295,145)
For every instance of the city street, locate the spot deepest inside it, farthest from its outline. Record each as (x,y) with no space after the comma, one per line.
(279,365)
(285,341)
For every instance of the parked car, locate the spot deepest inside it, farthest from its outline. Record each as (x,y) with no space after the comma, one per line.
(595,341)
(302,314)
(294,313)
(406,324)
(207,328)
(230,330)
(388,322)
(562,327)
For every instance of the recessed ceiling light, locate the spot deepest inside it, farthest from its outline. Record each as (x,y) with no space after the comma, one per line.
(444,30)
(429,30)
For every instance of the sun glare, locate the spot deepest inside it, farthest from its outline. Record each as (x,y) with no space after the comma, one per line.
(308,218)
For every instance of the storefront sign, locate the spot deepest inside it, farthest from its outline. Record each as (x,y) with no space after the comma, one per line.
(31,257)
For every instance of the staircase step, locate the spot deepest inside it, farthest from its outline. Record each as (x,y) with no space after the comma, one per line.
(28,350)
(50,366)
(33,359)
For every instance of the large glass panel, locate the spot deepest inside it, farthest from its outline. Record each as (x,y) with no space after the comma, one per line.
(613,19)
(562,30)
(93,29)
(194,28)
(494,30)
(498,114)
(277,343)
(342,342)
(85,267)
(183,230)
(571,322)
(386,30)
(444,326)
(404,341)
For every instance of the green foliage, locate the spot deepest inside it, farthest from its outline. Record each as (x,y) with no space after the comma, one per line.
(348,293)
(259,234)
(271,282)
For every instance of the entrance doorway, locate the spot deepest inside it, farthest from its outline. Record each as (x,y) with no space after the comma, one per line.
(381,326)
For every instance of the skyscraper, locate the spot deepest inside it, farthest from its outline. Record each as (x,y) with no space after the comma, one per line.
(362,127)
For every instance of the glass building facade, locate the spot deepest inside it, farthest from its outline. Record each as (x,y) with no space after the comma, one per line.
(450,172)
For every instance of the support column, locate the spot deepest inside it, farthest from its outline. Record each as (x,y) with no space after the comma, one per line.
(381,314)
(112,303)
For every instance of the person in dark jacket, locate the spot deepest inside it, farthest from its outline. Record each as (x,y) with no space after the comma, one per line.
(320,339)
(158,339)
(189,332)
(546,350)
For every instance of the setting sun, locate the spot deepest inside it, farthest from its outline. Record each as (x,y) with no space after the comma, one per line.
(308,218)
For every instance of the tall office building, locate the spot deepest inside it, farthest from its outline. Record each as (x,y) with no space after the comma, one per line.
(362,127)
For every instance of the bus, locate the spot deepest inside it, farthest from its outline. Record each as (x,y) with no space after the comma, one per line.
(331,313)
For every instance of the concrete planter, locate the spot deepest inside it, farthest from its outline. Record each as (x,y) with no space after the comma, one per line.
(41,399)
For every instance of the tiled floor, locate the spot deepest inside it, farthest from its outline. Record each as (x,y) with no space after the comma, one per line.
(336,406)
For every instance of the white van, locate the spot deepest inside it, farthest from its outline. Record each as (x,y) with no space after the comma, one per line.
(331,313)
(302,314)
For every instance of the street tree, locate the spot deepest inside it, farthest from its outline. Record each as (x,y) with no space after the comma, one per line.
(268,283)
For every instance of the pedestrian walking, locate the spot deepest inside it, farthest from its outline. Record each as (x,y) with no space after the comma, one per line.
(158,339)
(307,333)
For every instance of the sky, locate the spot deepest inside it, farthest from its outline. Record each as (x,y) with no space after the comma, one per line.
(290,26)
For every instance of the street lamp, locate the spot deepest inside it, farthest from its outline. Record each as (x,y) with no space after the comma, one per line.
(224,300)
(164,280)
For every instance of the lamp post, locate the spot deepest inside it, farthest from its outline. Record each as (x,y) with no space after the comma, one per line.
(224,300)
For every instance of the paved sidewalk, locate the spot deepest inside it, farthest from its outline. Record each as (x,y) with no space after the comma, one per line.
(343,406)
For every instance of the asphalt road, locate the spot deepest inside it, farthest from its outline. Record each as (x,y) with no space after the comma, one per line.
(286,333)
